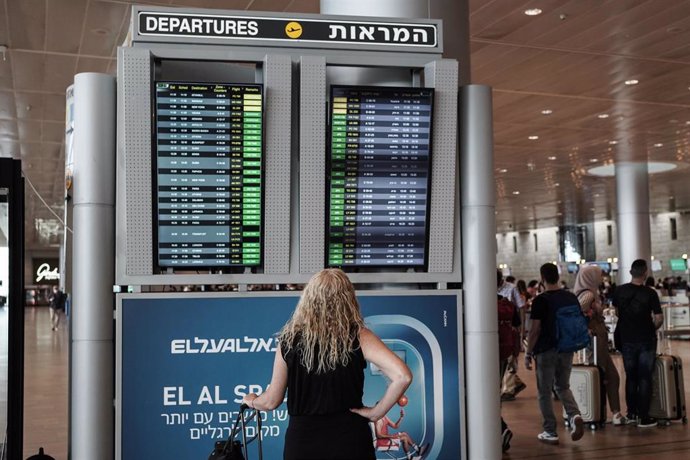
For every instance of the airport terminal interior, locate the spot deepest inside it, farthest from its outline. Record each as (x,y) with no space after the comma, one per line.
(590,145)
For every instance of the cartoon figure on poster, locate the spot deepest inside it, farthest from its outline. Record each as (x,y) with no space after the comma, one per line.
(387,441)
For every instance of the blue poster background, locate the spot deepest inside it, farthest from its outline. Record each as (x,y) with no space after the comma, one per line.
(188,360)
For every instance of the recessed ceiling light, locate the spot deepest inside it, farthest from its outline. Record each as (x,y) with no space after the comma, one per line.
(503,171)
(631,82)
(556,184)
(533,138)
(552,158)
(546,112)
(533,12)
(516,192)
(658,144)
(593,160)
(613,142)
(653,167)
(603,115)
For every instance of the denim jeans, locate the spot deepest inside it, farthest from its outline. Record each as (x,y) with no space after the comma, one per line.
(553,372)
(638,360)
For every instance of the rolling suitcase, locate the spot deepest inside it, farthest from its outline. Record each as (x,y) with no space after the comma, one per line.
(587,385)
(236,449)
(668,390)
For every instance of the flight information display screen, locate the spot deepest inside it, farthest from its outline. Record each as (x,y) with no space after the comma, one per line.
(378,176)
(208,187)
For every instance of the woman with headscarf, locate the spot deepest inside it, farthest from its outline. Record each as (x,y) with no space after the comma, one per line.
(587,291)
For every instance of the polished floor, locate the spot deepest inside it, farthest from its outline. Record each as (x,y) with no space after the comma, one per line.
(46,375)
(46,389)
(628,442)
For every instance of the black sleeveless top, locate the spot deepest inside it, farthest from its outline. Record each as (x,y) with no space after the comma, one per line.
(331,392)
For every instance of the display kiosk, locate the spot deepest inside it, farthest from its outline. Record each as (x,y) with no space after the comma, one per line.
(257,149)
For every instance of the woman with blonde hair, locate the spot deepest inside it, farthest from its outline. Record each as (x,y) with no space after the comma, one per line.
(587,290)
(321,359)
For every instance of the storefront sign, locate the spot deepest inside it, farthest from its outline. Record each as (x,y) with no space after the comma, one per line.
(46,271)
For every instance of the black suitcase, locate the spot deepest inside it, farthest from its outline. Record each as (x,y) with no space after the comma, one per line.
(236,449)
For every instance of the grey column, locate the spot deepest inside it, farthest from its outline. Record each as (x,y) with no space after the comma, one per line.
(382,8)
(479,272)
(92,358)
(632,216)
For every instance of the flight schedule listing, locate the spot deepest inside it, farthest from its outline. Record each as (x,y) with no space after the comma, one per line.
(209,174)
(379,176)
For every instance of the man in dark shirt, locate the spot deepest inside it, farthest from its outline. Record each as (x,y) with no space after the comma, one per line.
(553,368)
(639,316)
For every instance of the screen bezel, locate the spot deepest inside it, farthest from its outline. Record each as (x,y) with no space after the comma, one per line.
(154,180)
(358,267)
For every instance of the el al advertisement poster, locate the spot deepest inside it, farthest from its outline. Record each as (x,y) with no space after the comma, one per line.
(186,361)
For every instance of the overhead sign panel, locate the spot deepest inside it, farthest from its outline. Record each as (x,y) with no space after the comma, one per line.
(158,23)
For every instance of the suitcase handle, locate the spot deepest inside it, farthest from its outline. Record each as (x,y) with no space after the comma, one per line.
(583,353)
(241,423)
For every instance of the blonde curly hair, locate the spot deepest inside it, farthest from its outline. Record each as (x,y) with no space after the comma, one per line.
(326,321)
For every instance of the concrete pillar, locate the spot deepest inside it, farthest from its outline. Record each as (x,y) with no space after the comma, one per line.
(479,272)
(632,216)
(92,354)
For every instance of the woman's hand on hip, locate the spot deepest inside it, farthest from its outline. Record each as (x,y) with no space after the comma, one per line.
(368,413)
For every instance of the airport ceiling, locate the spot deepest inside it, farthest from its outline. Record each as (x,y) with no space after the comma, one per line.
(561,102)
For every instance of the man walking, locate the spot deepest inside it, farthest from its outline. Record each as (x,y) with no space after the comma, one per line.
(639,316)
(553,368)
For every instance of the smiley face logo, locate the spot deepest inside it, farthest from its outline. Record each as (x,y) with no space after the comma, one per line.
(293,29)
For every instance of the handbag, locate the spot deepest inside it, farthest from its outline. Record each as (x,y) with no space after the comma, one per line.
(233,449)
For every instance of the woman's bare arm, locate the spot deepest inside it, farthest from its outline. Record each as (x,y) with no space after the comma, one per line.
(275,393)
(376,352)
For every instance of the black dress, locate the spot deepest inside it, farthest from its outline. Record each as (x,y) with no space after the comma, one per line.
(321,425)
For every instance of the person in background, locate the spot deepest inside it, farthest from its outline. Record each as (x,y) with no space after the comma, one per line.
(587,290)
(564,286)
(322,353)
(508,348)
(512,383)
(510,279)
(552,368)
(56,302)
(534,289)
(526,297)
(639,316)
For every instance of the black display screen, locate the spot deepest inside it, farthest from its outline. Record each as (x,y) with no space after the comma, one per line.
(208,181)
(379,176)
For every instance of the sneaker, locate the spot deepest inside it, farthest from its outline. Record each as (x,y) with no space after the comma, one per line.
(619,419)
(423,449)
(631,419)
(578,428)
(521,386)
(548,438)
(647,422)
(506,437)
